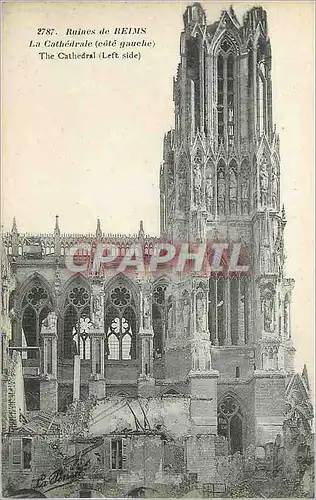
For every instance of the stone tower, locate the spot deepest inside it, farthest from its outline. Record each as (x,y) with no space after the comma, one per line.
(220,181)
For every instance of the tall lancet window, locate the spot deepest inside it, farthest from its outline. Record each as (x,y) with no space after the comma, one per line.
(262,87)
(230,99)
(261,97)
(226,93)
(220,98)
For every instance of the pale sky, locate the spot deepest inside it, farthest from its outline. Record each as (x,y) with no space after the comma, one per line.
(83,139)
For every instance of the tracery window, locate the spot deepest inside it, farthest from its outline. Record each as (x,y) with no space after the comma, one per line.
(120,324)
(262,87)
(159,316)
(226,94)
(77,323)
(36,305)
(230,423)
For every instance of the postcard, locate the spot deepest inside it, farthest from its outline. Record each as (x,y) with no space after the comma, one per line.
(157,291)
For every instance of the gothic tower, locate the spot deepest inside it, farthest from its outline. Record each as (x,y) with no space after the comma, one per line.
(220,181)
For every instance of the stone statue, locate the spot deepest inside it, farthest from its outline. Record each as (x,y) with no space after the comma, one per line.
(50,322)
(146,312)
(95,303)
(209,194)
(221,192)
(186,309)
(200,312)
(268,312)
(264,181)
(97,308)
(274,188)
(197,184)
(232,186)
(245,194)
(232,192)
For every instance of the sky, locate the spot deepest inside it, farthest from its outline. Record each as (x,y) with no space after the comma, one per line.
(83,139)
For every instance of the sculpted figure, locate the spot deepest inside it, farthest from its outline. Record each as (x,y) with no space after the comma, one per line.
(232,186)
(245,195)
(264,180)
(146,312)
(50,322)
(274,188)
(197,183)
(221,192)
(232,192)
(200,312)
(209,194)
(268,314)
(186,315)
(97,308)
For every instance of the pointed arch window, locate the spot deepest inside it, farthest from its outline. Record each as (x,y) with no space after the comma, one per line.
(230,100)
(230,424)
(120,324)
(220,97)
(36,305)
(226,94)
(159,317)
(77,322)
(262,89)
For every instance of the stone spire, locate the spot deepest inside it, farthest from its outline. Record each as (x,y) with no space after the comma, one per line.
(98,232)
(141,232)
(305,377)
(15,238)
(57,237)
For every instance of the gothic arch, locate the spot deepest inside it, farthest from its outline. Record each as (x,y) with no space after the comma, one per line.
(226,43)
(75,317)
(34,302)
(119,278)
(20,292)
(231,421)
(77,279)
(121,318)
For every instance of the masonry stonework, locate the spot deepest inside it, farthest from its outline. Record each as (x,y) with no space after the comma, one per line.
(155,377)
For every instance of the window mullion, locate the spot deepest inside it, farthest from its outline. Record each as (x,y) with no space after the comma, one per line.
(225,100)
(121,338)
(228,436)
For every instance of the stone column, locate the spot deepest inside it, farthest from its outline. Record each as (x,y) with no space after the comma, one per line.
(48,383)
(146,381)
(241,312)
(228,340)
(97,382)
(216,312)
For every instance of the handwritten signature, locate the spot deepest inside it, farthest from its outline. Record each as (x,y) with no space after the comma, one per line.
(63,474)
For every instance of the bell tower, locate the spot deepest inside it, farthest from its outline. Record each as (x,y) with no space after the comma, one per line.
(220,181)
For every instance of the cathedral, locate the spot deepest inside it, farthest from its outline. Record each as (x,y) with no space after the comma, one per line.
(178,369)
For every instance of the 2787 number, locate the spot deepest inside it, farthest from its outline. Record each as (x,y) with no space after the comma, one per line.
(45,31)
